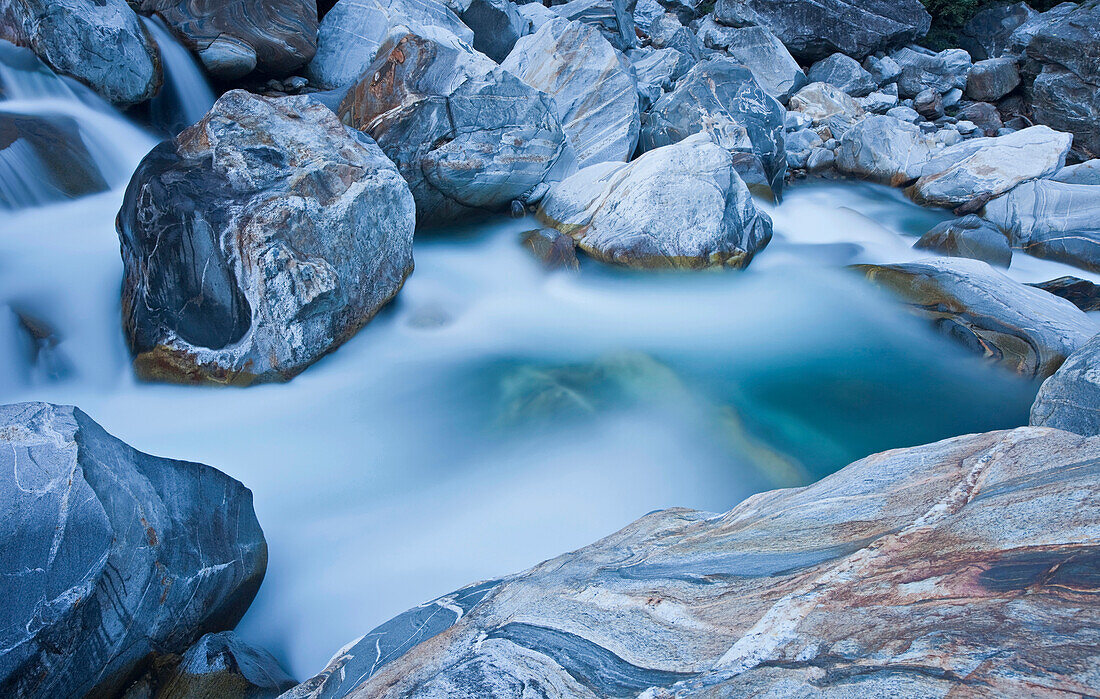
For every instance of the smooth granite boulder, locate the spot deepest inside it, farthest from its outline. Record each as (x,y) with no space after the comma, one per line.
(1082,173)
(1070,399)
(1022,328)
(352,34)
(992,79)
(258,241)
(942,72)
(722,98)
(678,206)
(594,93)
(970,236)
(1080,292)
(467,135)
(613,18)
(920,572)
(44,159)
(822,101)
(814,29)
(99,42)
(884,149)
(771,64)
(1053,220)
(497,25)
(845,73)
(987,33)
(111,555)
(234,37)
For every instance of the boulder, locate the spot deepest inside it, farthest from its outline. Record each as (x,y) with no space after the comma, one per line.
(722,98)
(43,158)
(111,555)
(646,12)
(845,73)
(822,101)
(496,24)
(987,33)
(992,79)
(353,32)
(554,250)
(234,37)
(814,29)
(942,72)
(970,236)
(666,32)
(767,58)
(899,575)
(878,102)
(258,241)
(884,149)
(660,68)
(1080,292)
(983,115)
(1020,327)
(594,93)
(467,135)
(988,167)
(1082,173)
(884,70)
(678,206)
(929,104)
(102,44)
(1070,399)
(613,18)
(904,113)
(1052,220)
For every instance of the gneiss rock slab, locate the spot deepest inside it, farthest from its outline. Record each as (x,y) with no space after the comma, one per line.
(679,206)
(917,572)
(260,240)
(110,555)
(1025,329)
(1052,220)
(970,236)
(1070,399)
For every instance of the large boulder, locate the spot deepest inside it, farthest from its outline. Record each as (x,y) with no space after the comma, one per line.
(234,37)
(1070,399)
(771,64)
(352,33)
(901,575)
(988,167)
(722,98)
(613,18)
(992,79)
(920,71)
(1087,172)
(1080,292)
(845,73)
(595,95)
(679,206)
(496,24)
(111,555)
(821,102)
(1023,328)
(258,241)
(43,158)
(884,149)
(1053,220)
(970,236)
(467,135)
(987,33)
(101,43)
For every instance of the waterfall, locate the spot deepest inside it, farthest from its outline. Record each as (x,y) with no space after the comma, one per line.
(186,95)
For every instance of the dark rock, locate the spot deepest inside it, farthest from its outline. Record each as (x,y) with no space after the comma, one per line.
(111,555)
(1052,220)
(929,104)
(1081,293)
(613,18)
(942,72)
(884,70)
(43,159)
(992,79)
(970,236)
(553,249)
(987,33)
(1070,400)
(844,72)
(496,24)
(983,115)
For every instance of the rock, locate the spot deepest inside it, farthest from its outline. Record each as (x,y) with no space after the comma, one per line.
(838,589)
(814,29)
(260,240)
(1081,293)
(1020,327)
(591,84)
(678,206)
(884,70)
(721,97)
(100,43)
(987,33)
(496,24)
(821,101)
(553,249)
(983,115)
(235,37)
(903,113)
(353,32)
(970,236)
(613,18)
(940,71)
(646,12)
(929,104)
(1082,173)
(1022,36)
(111,554)
(43,159)
(1052,220)
(799,145)
(467,135)
(661,68)
(1070,399)
(992,79)
(877,102)
(988,167)
(535,15)
(821,160)
(845,73)
(666,32)
(764,55)
(884,149)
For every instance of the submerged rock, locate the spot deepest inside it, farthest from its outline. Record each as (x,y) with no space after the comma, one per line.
(43,158)
(1080,292)
(970,236)
(111,555)
(1023,328)
(553,249)
(260,240)
(840,588)
(1052,220)
(1070,399)
(679,206)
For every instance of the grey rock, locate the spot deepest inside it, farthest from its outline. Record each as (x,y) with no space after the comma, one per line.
(1020,39)
(111,555)
(1082,173)
(1052,220)
(613,18)
(844,72)
(591,84)
(100,43)
(992,79)
(771,64)
(1070,399)
(713,35)
(929,104)
(661,67)
(667,32)
(821,160)
(799,145)
(966,127)
(948,137)
(952,98)
(496,25)
(970,236)
(235,241)
(1080,292)
(987,33)
(535,15)
(941,72)
(822,101)
(903,113)
(796,121)
(43,158)
(554,250)
(884,149)
(884,70)
(983,115)
(678,206)
(646,12)
(877,102)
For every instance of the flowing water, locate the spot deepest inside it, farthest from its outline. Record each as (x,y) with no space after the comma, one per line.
(497,414)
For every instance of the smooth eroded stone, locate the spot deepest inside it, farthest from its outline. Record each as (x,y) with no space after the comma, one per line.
(884,149)
(1053,220)
(110,554)
(678,206)
(838,589)
(941,71)
(845,73)
(467,135)
(814,29)
(553,249)
(722,98)
(1080,292)
(43,158)
(983,115)
(594,93)
(1082,173)
(99,42)
(970,236)
(822,101)
(771,64)
(1020,327)
(280,35)
(1070,400)
(929,104)
(992,79)
(258,241)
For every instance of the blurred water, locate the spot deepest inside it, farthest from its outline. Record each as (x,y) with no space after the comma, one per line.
(186,95)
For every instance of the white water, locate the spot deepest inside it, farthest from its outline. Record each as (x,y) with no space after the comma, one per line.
(186,95)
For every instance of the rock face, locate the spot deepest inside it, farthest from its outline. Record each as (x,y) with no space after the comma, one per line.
(235,37)
(987,34)
(1052,220)
(111,554)
(100,43)
(44,159)
(884,149)
(1023,328)
(595,96)
(722,98)
(848,587)
(353,32)
(970,236)
(260,240)
(1070,400)
(814,29)
(679,206)
(468,136)
(771,64)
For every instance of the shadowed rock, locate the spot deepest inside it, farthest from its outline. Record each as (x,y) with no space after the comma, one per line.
(970,236)
(845,73)
(1052,220)
(987,33)
(1070,399)
(1080,292)
(496,25)
(553,249)
(43,159)
(992,79)
(941,72)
